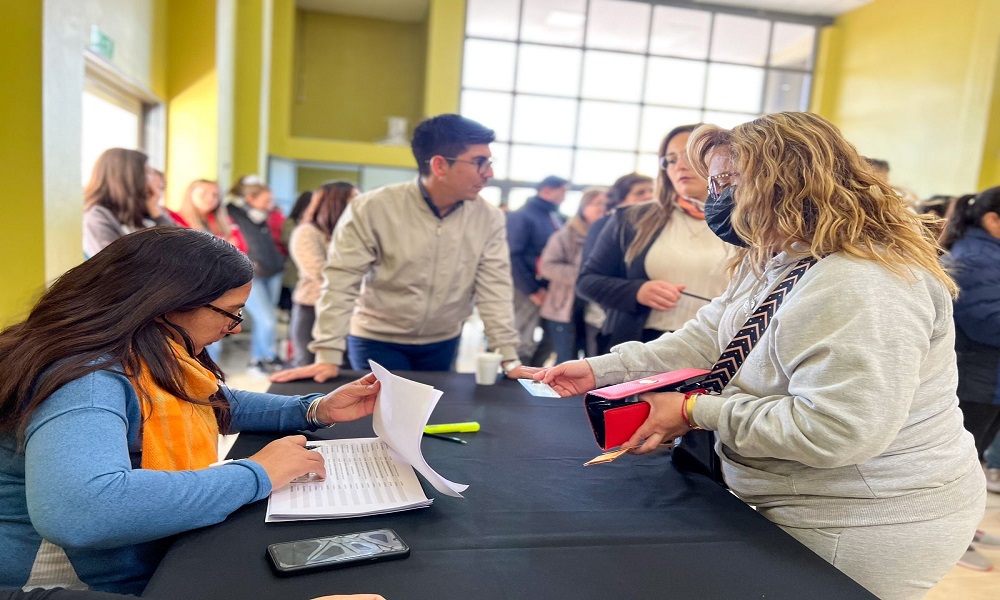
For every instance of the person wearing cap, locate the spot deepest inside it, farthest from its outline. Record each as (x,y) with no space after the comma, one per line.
(528,230)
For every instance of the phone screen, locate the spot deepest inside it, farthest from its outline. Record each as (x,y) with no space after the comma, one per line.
(338,550)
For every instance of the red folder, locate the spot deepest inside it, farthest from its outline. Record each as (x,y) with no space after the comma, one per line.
(616,412)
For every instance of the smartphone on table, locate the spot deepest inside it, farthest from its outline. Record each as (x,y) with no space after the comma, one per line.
(335,551)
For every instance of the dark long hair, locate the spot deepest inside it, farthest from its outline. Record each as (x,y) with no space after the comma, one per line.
(622,187)
(968,211)
(109,314)
(118,183)
(300,206)
(328,203)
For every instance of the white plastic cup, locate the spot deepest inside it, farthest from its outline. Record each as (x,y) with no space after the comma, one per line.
(487,367)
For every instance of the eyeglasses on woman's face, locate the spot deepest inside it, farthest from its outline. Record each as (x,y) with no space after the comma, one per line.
(236,319)
(718,183)
(671,160)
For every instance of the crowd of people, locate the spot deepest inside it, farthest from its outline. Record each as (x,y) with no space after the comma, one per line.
(849,427)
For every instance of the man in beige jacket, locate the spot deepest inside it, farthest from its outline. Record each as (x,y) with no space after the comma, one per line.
(408,261)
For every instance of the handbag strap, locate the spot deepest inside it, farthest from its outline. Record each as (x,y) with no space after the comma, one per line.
(746,338)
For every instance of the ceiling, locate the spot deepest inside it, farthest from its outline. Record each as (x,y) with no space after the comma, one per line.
(828,8)
(416,10)
(391,10)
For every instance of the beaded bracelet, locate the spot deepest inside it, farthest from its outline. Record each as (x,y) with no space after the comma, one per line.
(311,417)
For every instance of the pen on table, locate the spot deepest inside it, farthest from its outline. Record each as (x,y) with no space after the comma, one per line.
(696,296)
(446,438)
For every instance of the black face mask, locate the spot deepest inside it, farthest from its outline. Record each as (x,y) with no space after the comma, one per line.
(718,215)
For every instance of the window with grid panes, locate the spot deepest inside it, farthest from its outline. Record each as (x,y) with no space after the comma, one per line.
(586,89)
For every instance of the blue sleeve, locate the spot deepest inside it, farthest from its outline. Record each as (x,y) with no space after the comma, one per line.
(603,278)
(254,411)
(977,310)
(519,241)
(81,488)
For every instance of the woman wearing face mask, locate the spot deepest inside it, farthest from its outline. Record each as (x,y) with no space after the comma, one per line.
(841,425)
(251,208)
(655,264)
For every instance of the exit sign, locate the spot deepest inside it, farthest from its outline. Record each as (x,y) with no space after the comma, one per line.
(101,43)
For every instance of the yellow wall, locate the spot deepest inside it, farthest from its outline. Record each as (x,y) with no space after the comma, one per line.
(445,45)
(310,178)
(445,29)
(990,174)
(22,234)
(910,81)
(192,96)
(352,73)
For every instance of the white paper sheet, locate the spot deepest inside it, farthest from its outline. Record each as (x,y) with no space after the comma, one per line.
(364,477)
(402,411)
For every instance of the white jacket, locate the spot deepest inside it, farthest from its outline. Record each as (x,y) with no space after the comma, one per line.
(398,273)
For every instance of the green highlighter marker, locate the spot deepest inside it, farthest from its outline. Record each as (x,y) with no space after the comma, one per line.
(469,427)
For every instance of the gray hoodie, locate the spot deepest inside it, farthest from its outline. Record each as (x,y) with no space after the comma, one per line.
(845,412)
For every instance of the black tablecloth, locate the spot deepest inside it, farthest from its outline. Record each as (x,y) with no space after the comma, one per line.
(534,523)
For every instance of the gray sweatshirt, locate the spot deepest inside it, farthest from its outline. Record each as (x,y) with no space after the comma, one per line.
(845,412)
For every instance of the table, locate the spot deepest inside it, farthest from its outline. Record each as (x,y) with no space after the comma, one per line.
(534,523)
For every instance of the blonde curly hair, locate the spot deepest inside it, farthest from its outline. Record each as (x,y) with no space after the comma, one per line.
(801,181)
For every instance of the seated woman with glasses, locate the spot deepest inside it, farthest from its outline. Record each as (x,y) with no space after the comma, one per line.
(655,264)
(842,424)
(110,412)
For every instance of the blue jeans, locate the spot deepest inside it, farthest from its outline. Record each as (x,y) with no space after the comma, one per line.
(261,307)
(401,357)
(563,336)
(992,454)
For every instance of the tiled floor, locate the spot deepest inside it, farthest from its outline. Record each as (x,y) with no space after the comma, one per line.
(959,584)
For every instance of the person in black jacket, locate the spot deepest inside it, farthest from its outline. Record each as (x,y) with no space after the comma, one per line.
(627,190)
(972,236)
(528,229)
(252,209)
(654,265)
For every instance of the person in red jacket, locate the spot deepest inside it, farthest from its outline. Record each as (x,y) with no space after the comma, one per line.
(201,209)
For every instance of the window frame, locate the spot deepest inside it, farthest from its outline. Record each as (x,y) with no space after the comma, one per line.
(578,98)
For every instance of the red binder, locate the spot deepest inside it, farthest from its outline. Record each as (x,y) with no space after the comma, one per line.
(616,412)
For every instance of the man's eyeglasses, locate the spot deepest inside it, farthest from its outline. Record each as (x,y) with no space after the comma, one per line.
(482,163)
(237,318)
(716,183)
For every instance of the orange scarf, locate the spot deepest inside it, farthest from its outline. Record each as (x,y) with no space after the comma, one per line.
(178,435)
(690,208)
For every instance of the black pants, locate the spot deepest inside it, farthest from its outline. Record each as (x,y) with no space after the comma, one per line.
(983,421)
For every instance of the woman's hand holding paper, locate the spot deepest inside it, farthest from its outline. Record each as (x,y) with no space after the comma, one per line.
(568,379)
(350,401)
